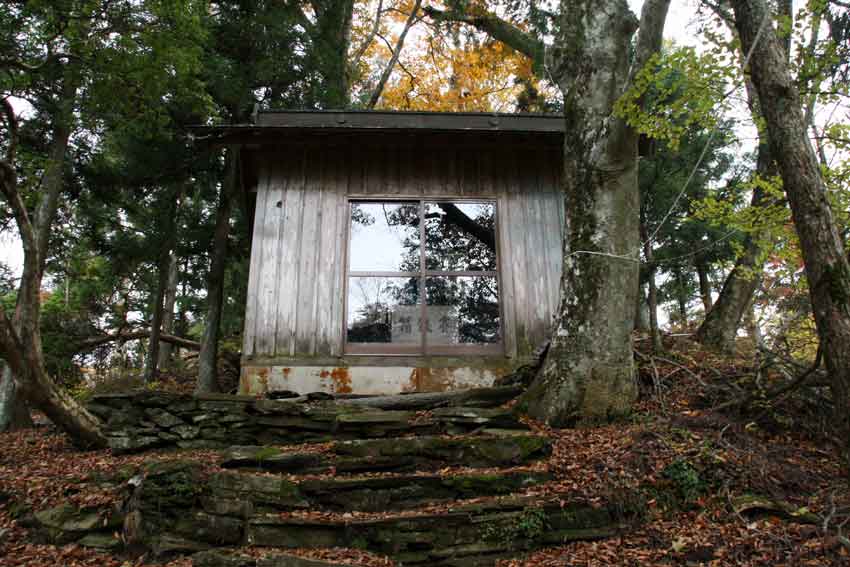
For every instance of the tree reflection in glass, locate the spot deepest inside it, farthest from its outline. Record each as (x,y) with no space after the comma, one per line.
(459,273)
(460,237)
(384,237)
(383,310)
(462,310)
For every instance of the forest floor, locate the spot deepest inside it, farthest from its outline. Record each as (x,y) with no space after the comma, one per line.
(762,485)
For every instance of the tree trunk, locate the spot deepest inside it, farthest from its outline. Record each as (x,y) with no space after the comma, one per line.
(652,298)
(20,340)
(23,354)
(588,373)
(753,329)
(331,37)
(166,350)
(704,286)
(152,361)
(14,411)
(825,259)
(641,311)
(208,358)
(722,321)
(681,296)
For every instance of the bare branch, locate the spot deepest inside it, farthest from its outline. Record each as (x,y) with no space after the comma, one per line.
(371,37)
(94,342)
(385,75)
(496,28)
(652,18)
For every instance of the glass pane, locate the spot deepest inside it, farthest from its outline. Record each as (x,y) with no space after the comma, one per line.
(384,237)
(384,310)
(463,310)
(460,236)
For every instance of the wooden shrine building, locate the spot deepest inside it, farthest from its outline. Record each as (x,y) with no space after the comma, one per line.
(397,251)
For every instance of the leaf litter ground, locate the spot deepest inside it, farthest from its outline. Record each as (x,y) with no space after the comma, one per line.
(674,439)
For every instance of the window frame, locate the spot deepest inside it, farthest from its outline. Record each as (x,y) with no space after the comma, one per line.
(424,349)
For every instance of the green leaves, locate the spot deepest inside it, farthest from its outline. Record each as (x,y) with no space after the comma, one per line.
(676,90)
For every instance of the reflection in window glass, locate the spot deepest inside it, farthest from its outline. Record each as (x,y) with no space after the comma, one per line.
(462,310)
(460,236)
(384,237)
(384,310)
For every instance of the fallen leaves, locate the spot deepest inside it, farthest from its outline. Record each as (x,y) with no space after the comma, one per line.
(39,468)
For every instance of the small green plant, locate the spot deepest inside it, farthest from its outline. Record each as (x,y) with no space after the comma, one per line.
(530,525)
(686,480)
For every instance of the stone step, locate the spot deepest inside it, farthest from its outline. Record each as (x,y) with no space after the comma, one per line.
(399,454)
(233,558)
(144,420)
(247,493)
(467,535)
(170,509)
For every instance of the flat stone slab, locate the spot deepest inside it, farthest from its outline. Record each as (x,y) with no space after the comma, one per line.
(404,453)
(231,491)
(218,558)
(143,420)
(467,535)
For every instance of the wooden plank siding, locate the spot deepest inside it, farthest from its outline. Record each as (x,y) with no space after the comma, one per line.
(297,276)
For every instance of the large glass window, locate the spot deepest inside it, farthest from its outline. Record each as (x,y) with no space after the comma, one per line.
(423,278)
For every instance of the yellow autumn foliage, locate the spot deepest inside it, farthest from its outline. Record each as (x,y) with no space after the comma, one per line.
(440,68)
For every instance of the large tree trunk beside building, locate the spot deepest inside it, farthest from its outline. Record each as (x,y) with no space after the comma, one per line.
(208,358)
(588,373)
(826,264)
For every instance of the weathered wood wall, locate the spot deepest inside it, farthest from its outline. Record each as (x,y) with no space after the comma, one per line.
(295,290)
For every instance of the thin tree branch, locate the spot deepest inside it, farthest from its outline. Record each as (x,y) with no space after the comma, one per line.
(376,94)
(371,37)
(94,342)
(496,28)
(653,15)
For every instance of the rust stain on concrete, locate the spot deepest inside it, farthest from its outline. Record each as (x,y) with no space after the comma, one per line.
(341,380)
(263,379)
(423,379)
